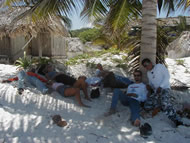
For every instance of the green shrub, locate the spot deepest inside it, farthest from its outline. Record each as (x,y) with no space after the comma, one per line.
(75,33)
(24,62)
(180,62)
(89,35)
(91,65)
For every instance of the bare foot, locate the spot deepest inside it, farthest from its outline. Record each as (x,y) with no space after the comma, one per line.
(137,123)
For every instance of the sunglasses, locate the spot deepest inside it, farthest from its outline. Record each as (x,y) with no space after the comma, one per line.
(137,75)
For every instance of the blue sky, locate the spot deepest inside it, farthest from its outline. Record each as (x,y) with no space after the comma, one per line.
(78,23)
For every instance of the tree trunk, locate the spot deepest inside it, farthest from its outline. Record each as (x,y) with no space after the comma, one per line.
(149,33)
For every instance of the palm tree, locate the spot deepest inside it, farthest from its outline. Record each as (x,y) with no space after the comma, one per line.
(118,12)
(149,32)
(183,4)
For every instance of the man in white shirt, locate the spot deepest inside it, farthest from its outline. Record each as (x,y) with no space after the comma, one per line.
(158,76)
(135,94)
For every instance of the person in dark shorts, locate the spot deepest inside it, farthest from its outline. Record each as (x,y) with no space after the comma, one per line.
(66,91)
(51,74)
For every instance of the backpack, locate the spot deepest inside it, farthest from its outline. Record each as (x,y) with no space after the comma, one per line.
(95,93)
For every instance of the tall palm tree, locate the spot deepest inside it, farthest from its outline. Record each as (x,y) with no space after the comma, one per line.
(118,12)
(149,32)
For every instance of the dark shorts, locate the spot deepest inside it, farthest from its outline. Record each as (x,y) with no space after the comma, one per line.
(61,90)
(65,79)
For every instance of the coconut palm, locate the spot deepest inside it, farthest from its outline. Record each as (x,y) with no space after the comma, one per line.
(183,4)
(118,14)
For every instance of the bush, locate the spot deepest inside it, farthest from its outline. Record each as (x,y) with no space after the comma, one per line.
(89,35)
(24,62)
(75,33)
(180,62)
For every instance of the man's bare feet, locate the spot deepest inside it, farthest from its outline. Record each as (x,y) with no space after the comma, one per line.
(137,123)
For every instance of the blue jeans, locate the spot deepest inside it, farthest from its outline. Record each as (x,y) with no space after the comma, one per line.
(133,104)
(123,79)
(22,76)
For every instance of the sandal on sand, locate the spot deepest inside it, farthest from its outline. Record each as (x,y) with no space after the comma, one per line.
(145,130)
(20,91)
(58,121)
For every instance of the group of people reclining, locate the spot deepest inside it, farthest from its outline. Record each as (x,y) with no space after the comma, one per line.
(154,96)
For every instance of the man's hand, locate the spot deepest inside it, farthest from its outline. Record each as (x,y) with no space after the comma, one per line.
(159,89)
(132,94)
(149,89)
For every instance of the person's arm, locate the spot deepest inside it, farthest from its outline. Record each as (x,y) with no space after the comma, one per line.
(132,94)
(51,78)
(144,94)
(166,76)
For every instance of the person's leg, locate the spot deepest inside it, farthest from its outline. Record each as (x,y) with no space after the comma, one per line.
(74,92)
(123,79)
(61,90)
(117,95)
(81,84)
(38,84)
(21,78)
(134,106)
(167,107)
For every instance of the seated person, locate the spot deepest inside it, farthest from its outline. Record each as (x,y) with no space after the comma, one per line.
(112,80)
(30,77)
(158,77)
(135,94)
(51,74)
(67,91)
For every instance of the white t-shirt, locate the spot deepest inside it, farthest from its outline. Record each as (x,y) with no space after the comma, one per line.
(55,85)
(139,89)
(159,77)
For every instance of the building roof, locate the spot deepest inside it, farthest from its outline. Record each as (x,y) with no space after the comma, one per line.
(171,21)
(11,27)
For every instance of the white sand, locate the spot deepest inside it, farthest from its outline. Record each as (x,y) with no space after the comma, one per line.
(27,118)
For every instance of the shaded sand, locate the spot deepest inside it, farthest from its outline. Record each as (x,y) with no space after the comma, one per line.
(27,119)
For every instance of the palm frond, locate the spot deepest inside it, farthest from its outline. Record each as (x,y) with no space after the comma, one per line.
(184,4)
(122,12)
(95,9)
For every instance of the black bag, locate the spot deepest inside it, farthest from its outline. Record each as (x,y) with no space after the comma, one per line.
(95,93)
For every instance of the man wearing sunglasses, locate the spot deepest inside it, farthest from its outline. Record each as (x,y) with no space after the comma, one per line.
(158,77)
(135,94)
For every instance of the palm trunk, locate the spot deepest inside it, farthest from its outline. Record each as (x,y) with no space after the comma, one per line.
(149,32)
